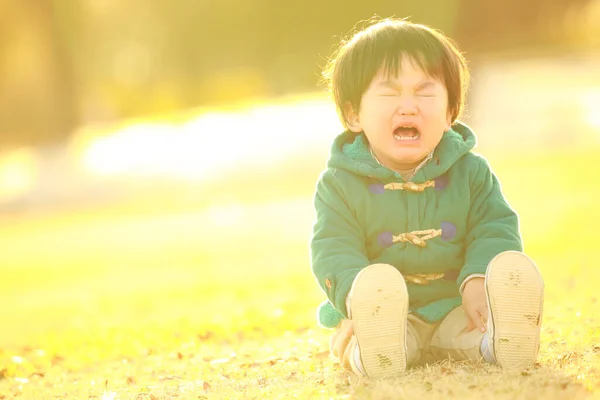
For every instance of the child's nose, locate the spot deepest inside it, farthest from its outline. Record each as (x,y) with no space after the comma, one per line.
(406,105)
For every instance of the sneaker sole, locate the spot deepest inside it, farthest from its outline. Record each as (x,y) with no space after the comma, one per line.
(379,305)
(515,292)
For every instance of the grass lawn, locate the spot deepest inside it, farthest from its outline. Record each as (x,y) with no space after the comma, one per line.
(219,301)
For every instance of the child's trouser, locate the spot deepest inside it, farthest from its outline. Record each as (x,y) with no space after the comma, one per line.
(425,341)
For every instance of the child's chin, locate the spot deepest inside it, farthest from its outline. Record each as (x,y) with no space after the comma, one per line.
(409,155)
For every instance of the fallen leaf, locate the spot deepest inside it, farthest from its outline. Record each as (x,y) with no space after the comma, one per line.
(131,380)
(447,371)
(179,355)
(472,386)
(169,378)
(322,355)
(205,385)
(567,357)
(205,336)
(145,396)
(56,359)
(250,365)
(428,386)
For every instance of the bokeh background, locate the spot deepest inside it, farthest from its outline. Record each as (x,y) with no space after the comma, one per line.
(157,158)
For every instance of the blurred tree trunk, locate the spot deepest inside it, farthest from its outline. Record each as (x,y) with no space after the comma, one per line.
(61,73)
(37,91)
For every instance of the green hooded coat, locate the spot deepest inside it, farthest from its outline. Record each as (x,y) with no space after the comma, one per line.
(360,221)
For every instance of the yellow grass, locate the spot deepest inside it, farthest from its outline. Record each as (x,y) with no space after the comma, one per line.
(218,301)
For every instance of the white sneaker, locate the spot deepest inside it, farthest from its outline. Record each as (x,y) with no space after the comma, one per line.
(515,295)
(379,309)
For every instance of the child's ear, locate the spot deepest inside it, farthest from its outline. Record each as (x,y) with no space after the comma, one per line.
(352,118)
(448,121)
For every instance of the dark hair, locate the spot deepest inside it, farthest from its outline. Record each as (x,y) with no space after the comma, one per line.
(383,43)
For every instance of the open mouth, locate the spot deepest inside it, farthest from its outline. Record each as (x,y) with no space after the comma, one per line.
(406,133)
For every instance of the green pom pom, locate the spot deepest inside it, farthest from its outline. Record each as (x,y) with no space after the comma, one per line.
(328,316)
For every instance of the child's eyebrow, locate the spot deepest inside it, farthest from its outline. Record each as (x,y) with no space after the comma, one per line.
(426,85)
(388,84)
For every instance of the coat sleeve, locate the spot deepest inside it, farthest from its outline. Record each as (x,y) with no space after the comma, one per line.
(493,226)
(338,250)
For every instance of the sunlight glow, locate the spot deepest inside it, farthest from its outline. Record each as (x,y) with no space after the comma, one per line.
(592,103)
(227,215)
(214,141)
(17,173)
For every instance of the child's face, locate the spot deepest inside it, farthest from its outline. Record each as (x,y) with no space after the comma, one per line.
(403,118)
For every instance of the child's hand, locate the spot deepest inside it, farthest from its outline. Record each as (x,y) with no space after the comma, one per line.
(475,304)
(339,344)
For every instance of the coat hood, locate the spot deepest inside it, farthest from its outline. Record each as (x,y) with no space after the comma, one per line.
(350,151)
